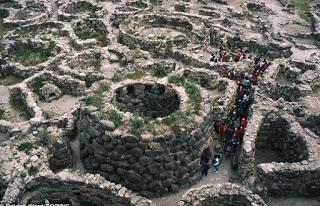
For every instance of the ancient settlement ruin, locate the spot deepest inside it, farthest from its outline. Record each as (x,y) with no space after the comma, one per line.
(123,102)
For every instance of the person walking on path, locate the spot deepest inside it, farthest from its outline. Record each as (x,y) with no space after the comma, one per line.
(205,168)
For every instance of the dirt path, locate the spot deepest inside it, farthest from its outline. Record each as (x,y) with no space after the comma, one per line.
(54,16)
(223,176)
(61,106)
(75,146)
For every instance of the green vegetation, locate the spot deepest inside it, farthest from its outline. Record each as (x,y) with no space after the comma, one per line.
(177,80)
(94,100)
(137,74)
(82,8)
(116,78)
(160,71)
(37,85)
(23,15)
(137,122)
(33,170)
(95,63)
(48,114)
(115,117)
(2,114)
(180,37)
(302,6)
(103,87)
(4,28)
(132,32)
(10,80)
(93,33)
(33,31)
(25,146)
(29,55)
(43,139)
(176,117)
(192,90)
(194,94)
(125,23)
(161,37)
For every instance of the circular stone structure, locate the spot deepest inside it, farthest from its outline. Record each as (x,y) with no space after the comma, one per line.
(150,156)
(69,188)
(151,100)
(225,194)
(155,32)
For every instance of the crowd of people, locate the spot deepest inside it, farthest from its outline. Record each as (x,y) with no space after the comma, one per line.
(232,130)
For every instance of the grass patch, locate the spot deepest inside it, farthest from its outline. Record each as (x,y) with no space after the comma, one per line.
(176,117)
(23,15)
(160,71)
(43,139)
(10,80)
(194,94)
(136,123)
(94,100)
(25,146)
(103,87)
(37,85)
(82,8)
(2,114)
(138,74)
(177,80)
(302,6)
(92,33)
(48,114)
(161,37)
(115,117)
(192,90)
(116,78)
(95,63)
(28,55)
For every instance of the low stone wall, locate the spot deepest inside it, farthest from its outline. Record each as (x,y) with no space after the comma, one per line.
(225,194)
(70,188)
(298,175)
(285,179)
(275,134)
(152,165)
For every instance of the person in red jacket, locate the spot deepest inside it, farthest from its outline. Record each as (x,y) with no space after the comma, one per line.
(243,122)
(222,129)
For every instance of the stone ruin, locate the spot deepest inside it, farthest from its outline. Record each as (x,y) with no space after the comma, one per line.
(113,102)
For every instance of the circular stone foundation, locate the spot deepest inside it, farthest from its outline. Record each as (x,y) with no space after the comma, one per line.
(225,194)
(152,100)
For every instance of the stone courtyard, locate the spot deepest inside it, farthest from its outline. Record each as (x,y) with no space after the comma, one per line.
(117,102)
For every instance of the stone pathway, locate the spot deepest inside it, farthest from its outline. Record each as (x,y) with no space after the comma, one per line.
(223,176)
(75,147)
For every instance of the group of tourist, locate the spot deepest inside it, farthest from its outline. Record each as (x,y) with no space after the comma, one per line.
(233,129)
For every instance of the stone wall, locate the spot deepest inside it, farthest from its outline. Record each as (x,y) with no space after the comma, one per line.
(296,174)
(285,179)
(275,134)
(61,155)
(153,166)
(70,188)
(225,194)
(151,100)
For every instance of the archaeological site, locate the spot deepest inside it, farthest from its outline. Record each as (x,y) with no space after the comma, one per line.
(160,102)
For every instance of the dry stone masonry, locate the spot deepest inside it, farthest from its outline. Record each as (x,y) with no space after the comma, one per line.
(112,102)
